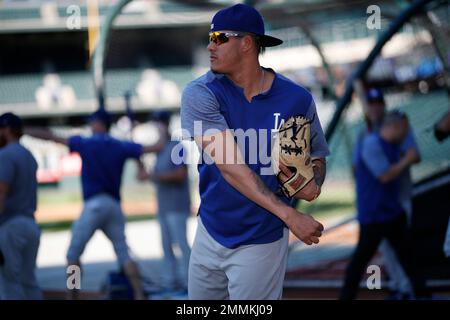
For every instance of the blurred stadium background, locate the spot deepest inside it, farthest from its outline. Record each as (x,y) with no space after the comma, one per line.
(156,47)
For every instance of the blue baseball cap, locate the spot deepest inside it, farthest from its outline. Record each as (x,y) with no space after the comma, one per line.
(244,18)
(162,116)
(100,115)
(10,120)
(375,95)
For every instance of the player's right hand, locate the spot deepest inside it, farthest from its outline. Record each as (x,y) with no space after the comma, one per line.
(304,227)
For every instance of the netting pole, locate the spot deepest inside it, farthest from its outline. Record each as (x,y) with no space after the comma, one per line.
(98,60)
(395,26)
(441,41)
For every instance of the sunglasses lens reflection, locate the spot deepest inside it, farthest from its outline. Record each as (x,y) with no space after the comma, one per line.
(218,38)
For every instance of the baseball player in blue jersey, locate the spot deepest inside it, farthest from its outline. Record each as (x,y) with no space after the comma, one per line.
(379,167)
(240,248)
(375,112)
(103,159)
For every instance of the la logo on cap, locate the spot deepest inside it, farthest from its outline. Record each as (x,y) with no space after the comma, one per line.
(212,26)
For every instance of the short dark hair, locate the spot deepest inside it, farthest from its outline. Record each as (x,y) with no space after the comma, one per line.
(257,40)
(102,116)
(261,49)
(17,132)
(12,122)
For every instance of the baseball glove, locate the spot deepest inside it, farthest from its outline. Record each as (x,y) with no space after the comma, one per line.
(292,149)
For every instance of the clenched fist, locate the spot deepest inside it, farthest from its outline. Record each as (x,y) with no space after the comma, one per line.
(304,227)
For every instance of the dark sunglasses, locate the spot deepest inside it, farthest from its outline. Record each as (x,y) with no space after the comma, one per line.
(221,37)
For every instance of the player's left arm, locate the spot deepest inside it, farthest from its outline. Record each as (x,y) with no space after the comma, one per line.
(409,145)
(320,171)
(158,145)
(177,175)
(319,151)
(45,134)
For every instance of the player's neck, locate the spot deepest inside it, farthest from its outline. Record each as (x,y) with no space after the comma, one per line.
(94,132)
(12,140)
(252,78)
(386,135)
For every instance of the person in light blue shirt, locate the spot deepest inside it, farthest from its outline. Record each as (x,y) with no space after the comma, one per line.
(233,113)
(374,115)
(381,215)
(19,233)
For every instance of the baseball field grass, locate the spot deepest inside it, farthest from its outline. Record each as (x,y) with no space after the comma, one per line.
(59,207)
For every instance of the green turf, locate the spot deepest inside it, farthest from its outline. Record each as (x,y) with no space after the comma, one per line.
(66,224)
(333,201)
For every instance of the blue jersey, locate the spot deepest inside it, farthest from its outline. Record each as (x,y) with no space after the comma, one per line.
(376,202)
(383,164)
(18,170)
(103,158)
(215,102)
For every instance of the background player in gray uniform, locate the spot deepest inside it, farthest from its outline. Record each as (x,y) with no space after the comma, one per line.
(19,233)
(172,190)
